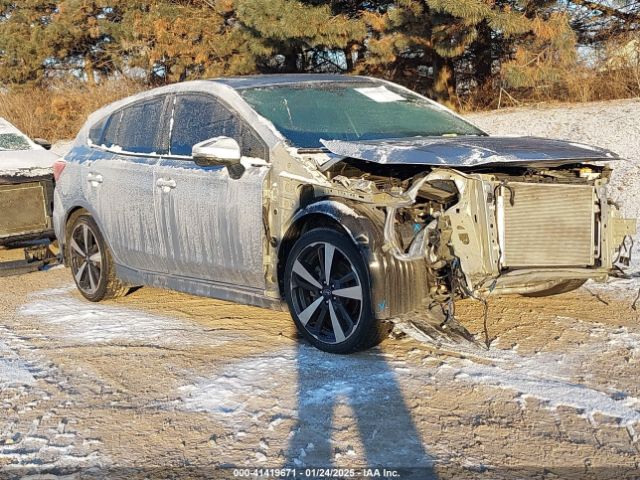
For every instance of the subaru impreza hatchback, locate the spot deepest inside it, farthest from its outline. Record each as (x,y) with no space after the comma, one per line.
(346,200)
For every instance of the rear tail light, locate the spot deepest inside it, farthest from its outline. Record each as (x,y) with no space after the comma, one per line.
(58,167)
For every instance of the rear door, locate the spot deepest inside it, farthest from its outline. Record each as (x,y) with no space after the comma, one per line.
(213,224)
(119,182)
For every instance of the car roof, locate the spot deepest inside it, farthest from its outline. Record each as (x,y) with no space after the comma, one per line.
(252,81)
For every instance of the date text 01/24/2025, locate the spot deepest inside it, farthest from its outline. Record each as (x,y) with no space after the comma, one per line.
(315,473)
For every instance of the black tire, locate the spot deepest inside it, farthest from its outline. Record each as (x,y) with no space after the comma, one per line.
(91,261)
(557,289)
(356,328)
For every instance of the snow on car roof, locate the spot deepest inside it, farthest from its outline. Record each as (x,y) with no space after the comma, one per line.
(21,156)
(252,81)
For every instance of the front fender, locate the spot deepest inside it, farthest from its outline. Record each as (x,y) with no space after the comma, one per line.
(397,286)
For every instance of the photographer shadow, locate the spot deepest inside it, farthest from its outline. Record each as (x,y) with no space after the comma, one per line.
(357,399)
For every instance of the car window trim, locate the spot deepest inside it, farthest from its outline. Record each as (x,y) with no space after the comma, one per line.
(125,153)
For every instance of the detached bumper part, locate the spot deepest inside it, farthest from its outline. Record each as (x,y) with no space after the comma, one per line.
(622,227)
(622,232)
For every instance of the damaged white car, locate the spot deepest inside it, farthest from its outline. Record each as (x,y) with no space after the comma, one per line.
(346,200)
(26,186)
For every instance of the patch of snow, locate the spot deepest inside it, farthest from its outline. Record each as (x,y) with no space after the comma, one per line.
(552,377)
(26,162)
(62,147)
(87,322)
(625,289)
(231,391)
(318,392)
(13,369)
(543,385)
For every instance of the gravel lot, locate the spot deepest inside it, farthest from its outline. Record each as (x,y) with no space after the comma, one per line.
(165,380)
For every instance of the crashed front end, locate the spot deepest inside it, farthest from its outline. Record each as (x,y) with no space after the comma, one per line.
(514,235)
(470,230)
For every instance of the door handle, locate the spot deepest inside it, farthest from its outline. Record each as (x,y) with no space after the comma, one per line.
(166,185)
(94,179)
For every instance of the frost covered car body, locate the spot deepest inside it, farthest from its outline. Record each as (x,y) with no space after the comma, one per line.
(26,186)
(347,200)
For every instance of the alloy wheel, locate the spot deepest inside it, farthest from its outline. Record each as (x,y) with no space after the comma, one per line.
(326,292)
(86,258)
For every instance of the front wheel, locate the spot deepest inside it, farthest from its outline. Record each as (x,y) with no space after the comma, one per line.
(327,289)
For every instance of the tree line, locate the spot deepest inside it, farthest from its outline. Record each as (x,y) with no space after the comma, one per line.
(442,48)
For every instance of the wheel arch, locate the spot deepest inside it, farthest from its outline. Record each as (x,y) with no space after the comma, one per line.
(71,215)
(345,217)
(397,286)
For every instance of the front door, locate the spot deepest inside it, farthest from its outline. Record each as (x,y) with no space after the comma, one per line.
(213,224)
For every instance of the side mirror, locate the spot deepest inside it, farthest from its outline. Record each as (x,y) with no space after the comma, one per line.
(43,143)
(216,151)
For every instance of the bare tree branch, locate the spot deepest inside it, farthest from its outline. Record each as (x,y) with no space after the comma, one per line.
(614,12)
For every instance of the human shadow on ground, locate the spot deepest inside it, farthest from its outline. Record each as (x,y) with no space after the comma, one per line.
(368,385)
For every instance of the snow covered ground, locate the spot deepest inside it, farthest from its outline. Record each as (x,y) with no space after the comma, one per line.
(161,379)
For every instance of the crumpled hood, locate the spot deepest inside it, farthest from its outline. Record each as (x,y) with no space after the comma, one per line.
(467,151)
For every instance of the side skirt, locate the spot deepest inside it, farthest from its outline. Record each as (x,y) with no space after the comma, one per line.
(221,291)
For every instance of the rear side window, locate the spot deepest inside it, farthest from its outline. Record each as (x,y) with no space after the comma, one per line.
(138,128)
(200,117)
(95,134)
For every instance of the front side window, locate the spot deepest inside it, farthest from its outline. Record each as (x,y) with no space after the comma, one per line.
(200,117)
(138,128)
(356,110)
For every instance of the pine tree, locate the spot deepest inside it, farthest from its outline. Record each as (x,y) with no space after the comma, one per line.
(541,58)
(23,50)
(293,36)
(174,42)
(84,36)
(424,43)
(439,47)
(44,39)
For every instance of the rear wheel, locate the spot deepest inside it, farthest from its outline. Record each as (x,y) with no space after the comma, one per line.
(557,289)
(327,289)
(91,262)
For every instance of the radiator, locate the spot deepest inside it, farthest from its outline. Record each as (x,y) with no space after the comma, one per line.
(547,225)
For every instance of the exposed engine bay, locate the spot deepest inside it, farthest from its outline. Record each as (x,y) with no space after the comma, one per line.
(503,228)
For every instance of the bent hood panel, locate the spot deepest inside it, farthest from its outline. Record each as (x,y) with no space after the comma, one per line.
(466,151)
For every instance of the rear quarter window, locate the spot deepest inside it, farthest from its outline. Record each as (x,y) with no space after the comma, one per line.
(95,134)
(138,128)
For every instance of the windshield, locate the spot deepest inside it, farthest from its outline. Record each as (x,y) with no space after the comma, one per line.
(306,113)
(13,141)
